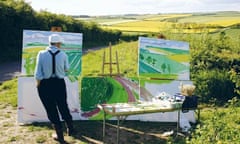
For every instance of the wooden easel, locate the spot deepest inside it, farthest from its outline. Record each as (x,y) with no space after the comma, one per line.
(110,63)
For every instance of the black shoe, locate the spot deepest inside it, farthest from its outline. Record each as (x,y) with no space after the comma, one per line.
(70,130)
(58,136)
(60,140)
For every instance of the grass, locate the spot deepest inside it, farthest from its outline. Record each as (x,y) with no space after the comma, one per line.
(219,125)
(8,92)
(127,56)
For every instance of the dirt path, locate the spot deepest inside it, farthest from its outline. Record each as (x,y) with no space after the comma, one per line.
(88,132)
(13,133)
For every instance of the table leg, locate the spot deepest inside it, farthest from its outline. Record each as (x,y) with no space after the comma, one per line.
(104,124)
(198,120)
(178,121)
(118,123)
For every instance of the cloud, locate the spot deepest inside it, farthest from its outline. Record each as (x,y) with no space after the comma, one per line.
(221,1)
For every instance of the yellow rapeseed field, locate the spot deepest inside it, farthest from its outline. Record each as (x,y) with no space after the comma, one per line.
(225,22)
(143,26)
(154,26)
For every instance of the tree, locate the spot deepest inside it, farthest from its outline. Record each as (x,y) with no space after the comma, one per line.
(149,59)
(163,67)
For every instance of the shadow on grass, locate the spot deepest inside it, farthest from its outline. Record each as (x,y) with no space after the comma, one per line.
(131,132)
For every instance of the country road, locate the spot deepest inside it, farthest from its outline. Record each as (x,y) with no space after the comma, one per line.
(9,70)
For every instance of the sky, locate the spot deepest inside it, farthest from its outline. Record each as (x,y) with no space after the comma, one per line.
(114,7)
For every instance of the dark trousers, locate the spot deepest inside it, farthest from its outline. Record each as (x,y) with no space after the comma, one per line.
(53,95)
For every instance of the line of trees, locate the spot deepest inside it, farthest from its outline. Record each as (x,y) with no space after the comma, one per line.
(17,15)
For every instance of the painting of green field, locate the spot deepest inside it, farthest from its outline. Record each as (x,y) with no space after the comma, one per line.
(100,90)
(34,41)
(29,57)
(165,58)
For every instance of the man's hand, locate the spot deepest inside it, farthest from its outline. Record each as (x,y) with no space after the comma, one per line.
(38,83)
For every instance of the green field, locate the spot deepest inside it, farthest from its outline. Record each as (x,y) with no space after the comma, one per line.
(221,18)
(92,62)
(108,20)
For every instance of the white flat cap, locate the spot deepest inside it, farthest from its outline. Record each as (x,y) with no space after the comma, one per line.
(55,38)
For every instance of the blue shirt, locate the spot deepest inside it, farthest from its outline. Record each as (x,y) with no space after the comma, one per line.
(43,68)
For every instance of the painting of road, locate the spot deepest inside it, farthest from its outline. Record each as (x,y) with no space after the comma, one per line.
(34,41)
(102,90)
(163,59)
